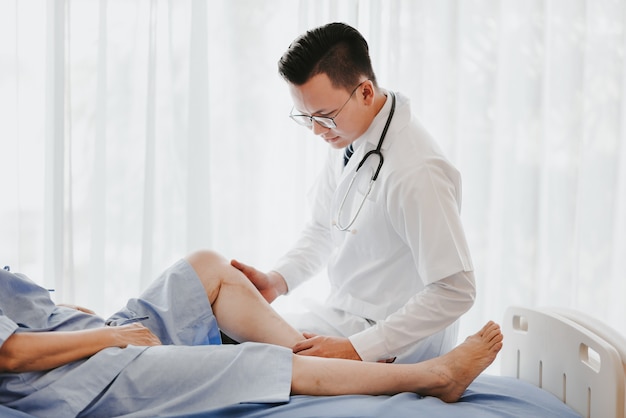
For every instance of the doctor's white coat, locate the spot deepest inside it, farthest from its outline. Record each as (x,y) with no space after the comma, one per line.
(407,236)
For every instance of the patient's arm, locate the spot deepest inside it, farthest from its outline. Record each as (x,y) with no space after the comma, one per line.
(38,351)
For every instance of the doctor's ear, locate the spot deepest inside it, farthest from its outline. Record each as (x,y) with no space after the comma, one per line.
(368,92)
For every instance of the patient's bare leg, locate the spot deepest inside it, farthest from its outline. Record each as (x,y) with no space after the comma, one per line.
(445,377)
(239,308)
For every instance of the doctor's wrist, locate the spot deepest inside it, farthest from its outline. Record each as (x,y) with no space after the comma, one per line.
(278,282)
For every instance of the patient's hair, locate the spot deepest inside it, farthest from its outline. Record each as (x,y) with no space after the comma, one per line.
(335,49)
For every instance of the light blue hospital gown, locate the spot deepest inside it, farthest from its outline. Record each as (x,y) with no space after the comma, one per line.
(190,373)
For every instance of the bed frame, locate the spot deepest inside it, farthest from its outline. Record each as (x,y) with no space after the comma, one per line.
(586,370)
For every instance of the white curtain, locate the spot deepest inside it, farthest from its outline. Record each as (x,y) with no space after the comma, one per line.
(135,131)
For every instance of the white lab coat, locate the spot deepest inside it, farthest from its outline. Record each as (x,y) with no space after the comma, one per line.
(407,236)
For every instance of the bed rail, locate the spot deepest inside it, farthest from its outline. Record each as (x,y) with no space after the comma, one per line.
(565,358)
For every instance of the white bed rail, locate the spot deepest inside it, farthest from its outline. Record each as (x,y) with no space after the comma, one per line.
(566,358)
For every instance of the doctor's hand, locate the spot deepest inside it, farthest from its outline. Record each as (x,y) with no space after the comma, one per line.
(324,346)
(271,285)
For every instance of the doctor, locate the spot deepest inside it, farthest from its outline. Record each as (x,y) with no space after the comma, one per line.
(386,219)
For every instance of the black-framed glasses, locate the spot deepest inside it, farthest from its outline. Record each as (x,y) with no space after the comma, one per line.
(323,121)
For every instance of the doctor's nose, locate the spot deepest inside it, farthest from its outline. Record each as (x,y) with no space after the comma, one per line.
(319,129)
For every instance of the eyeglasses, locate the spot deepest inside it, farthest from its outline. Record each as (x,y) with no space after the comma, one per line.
(323,121)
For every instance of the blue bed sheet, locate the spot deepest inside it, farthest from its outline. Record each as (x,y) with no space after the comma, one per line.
(11,413)
(487,397)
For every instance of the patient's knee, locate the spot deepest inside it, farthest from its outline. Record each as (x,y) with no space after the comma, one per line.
(210,266)
(215,271)
(206,258)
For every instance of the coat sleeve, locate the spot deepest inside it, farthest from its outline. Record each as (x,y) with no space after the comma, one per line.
(428,312)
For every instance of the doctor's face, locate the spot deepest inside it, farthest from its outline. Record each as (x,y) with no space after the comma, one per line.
(318,97)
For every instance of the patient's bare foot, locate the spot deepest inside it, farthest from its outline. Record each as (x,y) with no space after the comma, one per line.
(455,370)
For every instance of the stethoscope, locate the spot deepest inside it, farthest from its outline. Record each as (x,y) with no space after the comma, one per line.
(381,160)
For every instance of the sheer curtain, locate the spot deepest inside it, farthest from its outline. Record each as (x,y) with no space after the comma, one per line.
(133,132)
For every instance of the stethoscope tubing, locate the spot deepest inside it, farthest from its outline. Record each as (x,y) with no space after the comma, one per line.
(381,161)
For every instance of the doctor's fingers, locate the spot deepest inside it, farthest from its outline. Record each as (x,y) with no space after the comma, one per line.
(305,344)
(249,271)
(258,278)
(238,265)
(305,347)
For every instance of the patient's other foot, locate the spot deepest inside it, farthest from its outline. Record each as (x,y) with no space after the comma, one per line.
(457,369)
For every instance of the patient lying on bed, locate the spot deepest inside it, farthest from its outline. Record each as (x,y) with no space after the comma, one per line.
(161,353)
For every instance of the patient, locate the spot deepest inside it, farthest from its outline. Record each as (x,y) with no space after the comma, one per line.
(161,354)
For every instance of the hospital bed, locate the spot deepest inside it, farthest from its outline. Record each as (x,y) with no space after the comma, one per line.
(555,363)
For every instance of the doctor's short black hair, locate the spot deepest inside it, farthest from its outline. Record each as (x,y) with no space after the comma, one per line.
(336,49)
